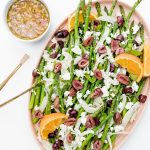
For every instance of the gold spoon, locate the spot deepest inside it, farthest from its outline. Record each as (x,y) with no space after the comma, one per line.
(22,61)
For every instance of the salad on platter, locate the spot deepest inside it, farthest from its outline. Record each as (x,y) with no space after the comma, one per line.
(92,73)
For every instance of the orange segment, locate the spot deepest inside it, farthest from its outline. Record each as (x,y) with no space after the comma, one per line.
(49,123)
(71,19)
(132,63)
(146,60)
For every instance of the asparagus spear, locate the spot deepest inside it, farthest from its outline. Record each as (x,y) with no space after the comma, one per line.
(83,9)
(35,98)
(89,137)
(98,8)
(87,16)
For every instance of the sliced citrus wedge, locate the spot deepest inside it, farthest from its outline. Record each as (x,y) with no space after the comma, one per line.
(132,63)
(49,123)
(71,19)
(146,60)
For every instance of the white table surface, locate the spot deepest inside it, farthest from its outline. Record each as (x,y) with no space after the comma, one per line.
(15,129)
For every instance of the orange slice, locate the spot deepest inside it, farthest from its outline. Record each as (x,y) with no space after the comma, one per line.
(146,60)
(132,63)
(71,19)
(49,123)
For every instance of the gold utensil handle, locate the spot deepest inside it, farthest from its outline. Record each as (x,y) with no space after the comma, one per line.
(8,78)
(17,96)
(22,61)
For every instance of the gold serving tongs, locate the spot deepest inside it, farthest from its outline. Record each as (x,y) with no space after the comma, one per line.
(22,61)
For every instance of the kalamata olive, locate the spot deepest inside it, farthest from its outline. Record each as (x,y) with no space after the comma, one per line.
(117,118)
(127,90)
(83,63)
(53,46)
(57,67)
(38,114)
(112,67)
(136,43)
(114,45)
(97,93)
(60,142)
(120,38)
(98,74)
(35,73)
(96,22)
(90,123)
(120,20)
(61,43)
(119,50)
(52,135)
(70,122)
(69,138)
(72,92)
(109,103)
(142,98)
(57,145)
(88,41)
(123,79)
(77,85)
(97,145)
(73,113)
(85,56)
(62,33)
(97,122)
(102,50)
(53,55)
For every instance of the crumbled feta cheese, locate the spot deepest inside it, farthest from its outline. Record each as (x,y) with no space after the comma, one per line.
(118,128)
(77,50)
(122,103)
(66,93)
(77,107)
(83,118)
(111,129)
(108,40)
(53,96)
(69,101)
(106,18)
(79,95)
(129,105)
(112,95)
(125,33)
(130,113)
(77,59)
(106,141)
(103,38)
(87,34)
(135,86)
(122,71)
(100,135)
(49,66)
(96,34)
(135,29)
(66,63)
(87,94)
(138,39)
(91,73)
(79,73)
(110,55)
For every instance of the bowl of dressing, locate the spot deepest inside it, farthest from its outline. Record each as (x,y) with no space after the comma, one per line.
(28,20)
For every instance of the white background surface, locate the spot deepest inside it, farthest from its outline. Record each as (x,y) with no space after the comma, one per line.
(15,128)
